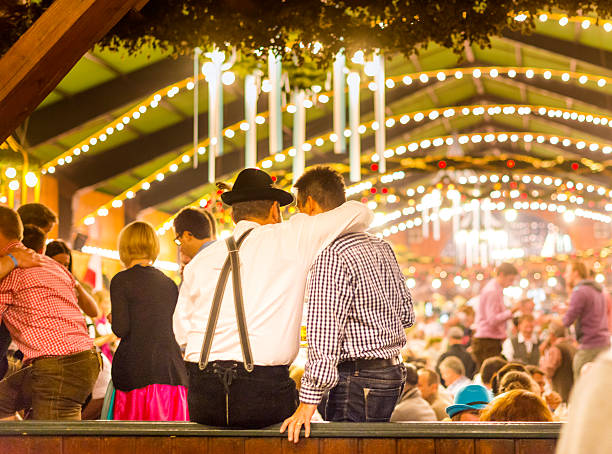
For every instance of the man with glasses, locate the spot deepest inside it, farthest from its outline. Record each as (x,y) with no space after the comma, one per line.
(195,231)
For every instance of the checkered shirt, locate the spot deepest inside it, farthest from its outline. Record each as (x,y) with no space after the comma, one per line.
(39,307)
(358,307)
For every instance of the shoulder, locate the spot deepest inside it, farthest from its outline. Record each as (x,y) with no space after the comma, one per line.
(344,243)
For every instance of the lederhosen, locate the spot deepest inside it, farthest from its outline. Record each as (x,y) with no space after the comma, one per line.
(232,393)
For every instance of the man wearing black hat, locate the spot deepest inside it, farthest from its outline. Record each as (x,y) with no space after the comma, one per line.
(241,337)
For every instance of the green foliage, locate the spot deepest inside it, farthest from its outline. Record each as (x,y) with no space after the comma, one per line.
(292,27)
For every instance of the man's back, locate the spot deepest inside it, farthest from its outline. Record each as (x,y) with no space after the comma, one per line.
(42,312)
(274,262)
(365,270)
(588,307)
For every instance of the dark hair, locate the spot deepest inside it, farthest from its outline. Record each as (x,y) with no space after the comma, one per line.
(432,375)
(213,223)
(254,209)
(10,224)
(33,237)
(497,379)
(534,370)
(507,269)
(516,380)
(517,405)
(490,367)
(59,247)
(412,376)
(194,221)
(37,214)
(324,185)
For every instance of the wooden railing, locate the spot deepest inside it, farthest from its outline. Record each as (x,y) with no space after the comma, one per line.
(102,437)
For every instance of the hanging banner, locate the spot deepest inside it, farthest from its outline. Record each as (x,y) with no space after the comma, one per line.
(353,81)
(339,102)
(299,134)
(250,112)
(379,110)
(274,103)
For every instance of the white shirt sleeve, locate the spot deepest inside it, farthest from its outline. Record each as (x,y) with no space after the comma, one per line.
(183,309)
(317,232)
(508,349)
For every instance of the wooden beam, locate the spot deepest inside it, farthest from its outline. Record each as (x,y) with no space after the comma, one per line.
(39,60)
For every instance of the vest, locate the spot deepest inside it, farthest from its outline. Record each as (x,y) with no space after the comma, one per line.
(521,355)
(563,380)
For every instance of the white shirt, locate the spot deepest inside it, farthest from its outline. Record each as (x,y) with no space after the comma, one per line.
(508,348)
(274,264)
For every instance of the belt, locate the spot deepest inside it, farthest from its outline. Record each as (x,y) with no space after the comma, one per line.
(353,365)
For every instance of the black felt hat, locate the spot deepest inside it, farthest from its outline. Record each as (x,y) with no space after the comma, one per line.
(255,184)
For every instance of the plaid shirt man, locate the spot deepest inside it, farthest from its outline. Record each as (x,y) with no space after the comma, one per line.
(39,307)
(358,307)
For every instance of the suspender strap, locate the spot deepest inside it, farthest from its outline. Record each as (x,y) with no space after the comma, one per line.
(232,263)
(245,344)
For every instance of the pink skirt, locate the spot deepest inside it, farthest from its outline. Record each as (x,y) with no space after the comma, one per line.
(152,403)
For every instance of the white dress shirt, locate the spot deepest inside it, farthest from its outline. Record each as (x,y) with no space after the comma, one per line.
(274,264)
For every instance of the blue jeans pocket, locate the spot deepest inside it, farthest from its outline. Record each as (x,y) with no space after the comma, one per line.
(379,403)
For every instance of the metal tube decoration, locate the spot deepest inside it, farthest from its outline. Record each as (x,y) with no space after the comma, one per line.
(353,80)
(379,111)
(212,71)
(339,103)
(250,112)
(274,103)
(299,134)
(196,107)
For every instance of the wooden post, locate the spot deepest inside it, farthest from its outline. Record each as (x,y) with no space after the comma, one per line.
(39,60)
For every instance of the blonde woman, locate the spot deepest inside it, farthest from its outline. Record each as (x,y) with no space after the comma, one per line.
(148,371)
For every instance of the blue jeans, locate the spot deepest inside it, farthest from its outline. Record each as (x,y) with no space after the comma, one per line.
(366,395)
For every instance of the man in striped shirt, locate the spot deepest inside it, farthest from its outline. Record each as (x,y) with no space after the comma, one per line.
(358,307)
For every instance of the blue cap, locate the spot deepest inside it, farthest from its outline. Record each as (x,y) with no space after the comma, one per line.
(471,397)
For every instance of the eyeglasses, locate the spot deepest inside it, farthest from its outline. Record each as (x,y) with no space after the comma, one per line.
(176,239)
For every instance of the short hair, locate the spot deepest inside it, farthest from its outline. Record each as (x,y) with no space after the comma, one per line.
(517,405)
(59,247)
(194,221)
(10,224)
(490,367)
(324,184)
(507,269)
(412,376)
(453,363)
(254,209)
(138,240)
(534,370)
(37,214)
(33,237)
(496,382)
(213,223)
(432,375)
(526,318)
(558,330)
(517,380)
(580,268)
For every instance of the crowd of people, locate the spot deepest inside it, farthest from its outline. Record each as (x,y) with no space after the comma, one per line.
(218,347)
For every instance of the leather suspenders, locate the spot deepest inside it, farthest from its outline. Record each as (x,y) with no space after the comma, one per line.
(232,263)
